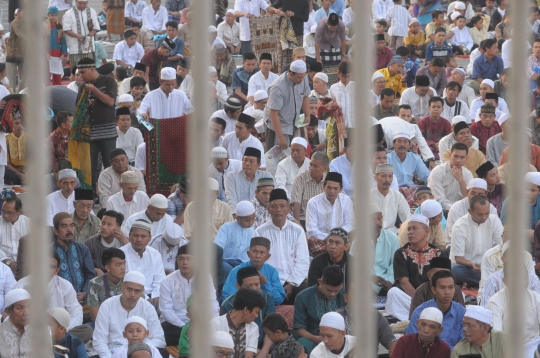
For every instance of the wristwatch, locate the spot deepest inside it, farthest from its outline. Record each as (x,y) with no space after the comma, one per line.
(7,262)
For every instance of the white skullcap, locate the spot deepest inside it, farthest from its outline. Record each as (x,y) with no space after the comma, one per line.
(259,95)
(222,339)
(430,208)
(213,184)
(454,15)
(17,9)
(503,118)
(313,29)
(259,126)
(257,114)
(460,6)
(479,313)
(135,277)
(136,319)
(322,76)
(301,141)
(432,314)
(298,66)
(244,208)
(159,201)
(419,218)
(129,177)
(460,70)
(212,28)
(489,82)
(414,20)
(125,98)
(168,73)
(376,75)
(60,315)
(402,135)
(173,233)
(458,119)
(533,178)
(477,183)
(66,173)
(219,152)
(333,320)
(230,11)
(211,69)
(16,295)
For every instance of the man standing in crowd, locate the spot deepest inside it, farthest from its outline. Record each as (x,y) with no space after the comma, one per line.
(80,24)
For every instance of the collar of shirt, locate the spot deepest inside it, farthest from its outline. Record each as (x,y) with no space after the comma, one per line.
(62,196)
(277,228)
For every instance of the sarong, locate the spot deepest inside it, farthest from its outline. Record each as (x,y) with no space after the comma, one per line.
(264,31)
(331,57)
(166,154)
(115,20)
(409,192)
(79,143)
(316,247)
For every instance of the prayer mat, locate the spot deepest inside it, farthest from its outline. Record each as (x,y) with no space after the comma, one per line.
(13,109)
(316,247)
(166,154)
(331,72)
(264,31)
(287,312)
(115,20)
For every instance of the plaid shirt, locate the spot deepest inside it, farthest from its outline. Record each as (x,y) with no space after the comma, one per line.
(176,205)
(434,51)
(532,62)
(305,188)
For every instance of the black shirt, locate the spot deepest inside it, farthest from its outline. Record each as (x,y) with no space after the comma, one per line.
(414,264)
(301,13)
(319,263)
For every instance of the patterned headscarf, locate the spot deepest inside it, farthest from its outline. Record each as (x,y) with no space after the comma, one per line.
(288,349)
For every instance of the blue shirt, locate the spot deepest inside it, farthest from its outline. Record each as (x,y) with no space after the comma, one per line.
(240,79)
(272,285)
(434,51)
(410,67)
(321,14)
(76,264)
(342,165)
(234,240)
(339,7)
(385,248)
(404,171)
(178,50)
(75,346)
(482,68)
(535,212)
(452,320)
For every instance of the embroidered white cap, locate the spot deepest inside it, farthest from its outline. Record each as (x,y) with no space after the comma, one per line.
(432,314)
(173,233)
(322,76)
(159,201)
(168,73)
(16,295)
(419,218)
(260,95)
(222,339)
(458,119)
(245,208)
(479,313)
(489,82)
(298,66)
(135,277)
(430,208)
(477,183)
(333,320)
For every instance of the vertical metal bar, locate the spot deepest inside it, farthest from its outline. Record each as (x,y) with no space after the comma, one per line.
(363,316)
(38,131)
(199,152)
(518,210)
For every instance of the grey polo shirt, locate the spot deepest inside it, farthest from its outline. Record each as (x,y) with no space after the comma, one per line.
(286,97)
(238,188)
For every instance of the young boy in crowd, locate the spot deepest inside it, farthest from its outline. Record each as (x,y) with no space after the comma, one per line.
(423,193)
(137,87)
(398,18)
(380,28)
(438,47)
(415,37)
(129,138)
(316,136)
(279,342)
(433,126)
(56,42)
(462,42)
(59,322)
(409,67)
(135,331)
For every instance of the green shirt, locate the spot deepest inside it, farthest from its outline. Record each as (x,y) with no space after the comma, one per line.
(493,348)
(183,344)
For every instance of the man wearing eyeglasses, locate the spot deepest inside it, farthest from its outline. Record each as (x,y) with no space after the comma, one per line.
(13,226)
(222,344)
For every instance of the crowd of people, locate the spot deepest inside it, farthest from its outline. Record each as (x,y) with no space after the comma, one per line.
(280,180)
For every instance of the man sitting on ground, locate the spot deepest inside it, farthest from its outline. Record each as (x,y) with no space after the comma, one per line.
(335,337)
(167,245)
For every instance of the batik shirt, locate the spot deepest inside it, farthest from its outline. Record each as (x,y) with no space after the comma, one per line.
(76,265)
(58,145)
(414,264)
(240,79)
(97,292)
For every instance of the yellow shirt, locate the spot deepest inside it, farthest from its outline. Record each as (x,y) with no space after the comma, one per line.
(481,35)
(430,30)
(16,150)
(436,235)
(393,82)
(415,39)
(475,159)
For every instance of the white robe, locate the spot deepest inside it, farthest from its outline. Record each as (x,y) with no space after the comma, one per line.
(56,203)
(10,234)
(150,265)
(236,149)
(156,104)
(129,141)
(117,203)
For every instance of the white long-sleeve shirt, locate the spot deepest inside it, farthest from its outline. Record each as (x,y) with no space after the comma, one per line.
(7,281)
(175,290)
(69,23)
(61,294)
(460,208)
(139,203)
(56,203)
(344,96)
(134,10)
(444,186)
(460,108)
(379,8)
(259,82)
(309,45)
(322,216)
(230,122)
(391,205)
(236,149)
(399,19)
(467,95)
(150,265)
(129,141)
(130,55)
(462,38)
(10,234)
(111,321)
(109,183)
(287,171)
(158,105)
(419,105)
(289,250)
(155,20)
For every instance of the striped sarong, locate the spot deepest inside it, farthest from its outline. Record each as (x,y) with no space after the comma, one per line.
(115,20)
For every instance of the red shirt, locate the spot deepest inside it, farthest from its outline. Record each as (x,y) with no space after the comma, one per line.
(410,346)
(433,132)
(484,133)
(383,59)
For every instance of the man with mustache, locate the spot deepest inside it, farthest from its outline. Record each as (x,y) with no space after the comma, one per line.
(76,265)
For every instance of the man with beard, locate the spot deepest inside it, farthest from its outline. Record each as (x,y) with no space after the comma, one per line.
(76,264)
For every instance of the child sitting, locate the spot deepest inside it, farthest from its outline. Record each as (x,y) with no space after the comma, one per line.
(59,323)
(380,28)
(278,342)
(135,331)
(415,37)
(438,47)
(462,42)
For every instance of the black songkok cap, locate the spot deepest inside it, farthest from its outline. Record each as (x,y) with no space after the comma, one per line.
(105,69)
(260,241)
(84,194)
(122,110)
(278,194)
(422,81)
(245,272)
(459,126)
(184,63)
(484,169)
(246,119)
(378,37)
(117,151)
(86,62)
(487,108)
(265,56)
(333,19)
(334,176)
(491,95)
(252,152)
(184,250)
(140,67)
(440,262)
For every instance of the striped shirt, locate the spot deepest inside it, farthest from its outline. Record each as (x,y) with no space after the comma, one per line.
(444,186)
(532,62)
(305,188)
(434,51)
(288,249)
(459,108)
(495,283)
(399,19)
